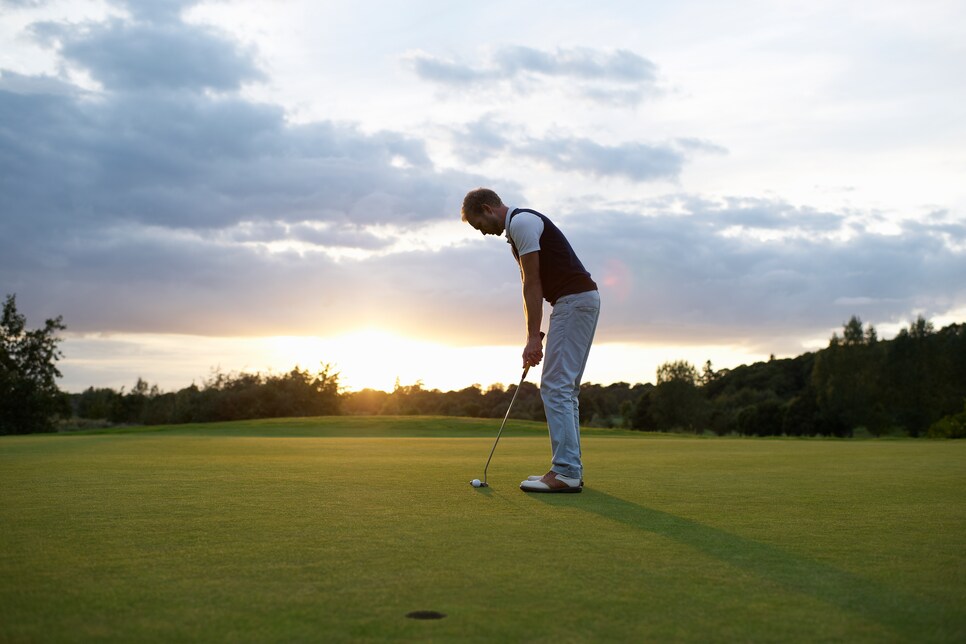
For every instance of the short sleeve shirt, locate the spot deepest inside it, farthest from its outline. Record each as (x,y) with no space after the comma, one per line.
(524,230)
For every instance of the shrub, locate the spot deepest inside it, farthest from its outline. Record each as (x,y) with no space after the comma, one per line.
(952,426)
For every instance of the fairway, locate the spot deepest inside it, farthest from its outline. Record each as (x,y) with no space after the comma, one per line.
(333,529)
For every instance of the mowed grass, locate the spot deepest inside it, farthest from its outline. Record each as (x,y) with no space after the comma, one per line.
(334,529)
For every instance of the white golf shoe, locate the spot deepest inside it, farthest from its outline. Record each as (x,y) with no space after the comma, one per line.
(551,482)
(537,477)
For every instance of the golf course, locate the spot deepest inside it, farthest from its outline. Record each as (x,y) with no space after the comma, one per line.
(336,528)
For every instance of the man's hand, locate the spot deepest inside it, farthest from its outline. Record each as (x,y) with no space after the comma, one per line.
(533,352)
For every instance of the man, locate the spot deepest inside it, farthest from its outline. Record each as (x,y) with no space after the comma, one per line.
(550,271)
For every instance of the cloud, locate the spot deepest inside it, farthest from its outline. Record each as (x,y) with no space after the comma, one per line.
(157,204)
(635,161)
(620,65)
(193,161)
(163,206)
(669,273)
(20,84)
(619,77)
(640,162)
(158,10)
(155,146)
(135,55)
(701,270)
(23,3)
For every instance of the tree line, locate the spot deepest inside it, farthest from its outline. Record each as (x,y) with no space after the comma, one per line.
(912,385)
(221,397)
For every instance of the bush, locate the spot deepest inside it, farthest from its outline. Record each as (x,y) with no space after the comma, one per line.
(952,426)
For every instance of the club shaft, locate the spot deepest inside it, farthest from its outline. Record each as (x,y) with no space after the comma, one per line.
(503,424)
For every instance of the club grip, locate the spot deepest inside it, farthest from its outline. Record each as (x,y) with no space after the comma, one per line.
(526,369)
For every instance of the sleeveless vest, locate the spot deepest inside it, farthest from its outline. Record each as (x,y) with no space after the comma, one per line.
(561,272)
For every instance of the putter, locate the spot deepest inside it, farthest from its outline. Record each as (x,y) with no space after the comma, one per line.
(526,369)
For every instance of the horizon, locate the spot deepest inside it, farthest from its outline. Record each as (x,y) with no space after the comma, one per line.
(412,378)
(194,185)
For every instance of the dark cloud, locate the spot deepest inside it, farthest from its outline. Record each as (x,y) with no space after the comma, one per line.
(43,84)
(686,275)
(671,275)
(447,72)
(348,236)
(156,147)
(635,161)
(747,214)
(157,10)
(199,162)
(150,205)
(143,55)
(489,137)
(618,77)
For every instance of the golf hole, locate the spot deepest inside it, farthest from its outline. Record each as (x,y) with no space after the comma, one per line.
(425,614)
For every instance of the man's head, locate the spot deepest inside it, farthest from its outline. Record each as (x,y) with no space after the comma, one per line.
(484,210)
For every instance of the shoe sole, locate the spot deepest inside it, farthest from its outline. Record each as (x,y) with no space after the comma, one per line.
(559,490)
(537,478)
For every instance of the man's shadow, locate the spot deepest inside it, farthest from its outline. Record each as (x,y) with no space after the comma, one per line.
(907,615)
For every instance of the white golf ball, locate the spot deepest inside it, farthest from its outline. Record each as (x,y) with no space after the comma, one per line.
(476,483)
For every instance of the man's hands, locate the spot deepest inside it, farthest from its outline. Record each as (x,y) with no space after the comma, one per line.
(532,307)
(533,352)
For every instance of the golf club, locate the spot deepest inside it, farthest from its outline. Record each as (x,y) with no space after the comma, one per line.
(483,483)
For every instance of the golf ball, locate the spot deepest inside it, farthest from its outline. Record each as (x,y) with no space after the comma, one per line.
(476,483)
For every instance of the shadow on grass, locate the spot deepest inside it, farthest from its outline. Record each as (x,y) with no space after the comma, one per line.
(907,615)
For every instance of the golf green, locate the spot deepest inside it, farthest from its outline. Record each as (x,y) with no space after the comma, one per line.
(334,529)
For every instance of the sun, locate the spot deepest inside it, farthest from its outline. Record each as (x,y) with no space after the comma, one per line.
(372,357)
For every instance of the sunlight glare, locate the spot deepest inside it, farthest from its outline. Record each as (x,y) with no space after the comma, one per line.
(377,359)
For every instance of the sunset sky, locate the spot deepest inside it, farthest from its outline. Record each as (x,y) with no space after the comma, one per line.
(255,185)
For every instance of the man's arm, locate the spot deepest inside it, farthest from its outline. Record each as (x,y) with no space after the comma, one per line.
(532,307)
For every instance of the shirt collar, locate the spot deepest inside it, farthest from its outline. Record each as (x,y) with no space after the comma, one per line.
(506,223)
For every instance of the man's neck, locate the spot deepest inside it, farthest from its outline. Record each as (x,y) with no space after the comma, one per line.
(503,212)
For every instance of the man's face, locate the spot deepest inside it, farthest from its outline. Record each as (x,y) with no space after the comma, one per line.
(487,221)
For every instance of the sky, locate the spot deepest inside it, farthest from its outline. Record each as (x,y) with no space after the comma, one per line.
(251,186)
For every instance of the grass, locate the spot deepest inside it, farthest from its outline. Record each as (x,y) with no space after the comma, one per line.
(333,529)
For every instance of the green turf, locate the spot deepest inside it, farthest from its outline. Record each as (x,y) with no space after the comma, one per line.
(334,529)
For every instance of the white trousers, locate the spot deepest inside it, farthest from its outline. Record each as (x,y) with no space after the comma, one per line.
(573,323)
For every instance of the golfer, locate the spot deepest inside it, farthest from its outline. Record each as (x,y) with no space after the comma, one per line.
(550,271)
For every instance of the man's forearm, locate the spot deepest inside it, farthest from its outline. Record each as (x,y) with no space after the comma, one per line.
(533,306)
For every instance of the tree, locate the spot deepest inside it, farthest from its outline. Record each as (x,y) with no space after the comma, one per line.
(852,332)
(800,415)
(99,404)
(847,383)
(911,364)
(677,403)
(921,328)
(639,414)
(677,371)
(708,374)
(29,397)
(762,419)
